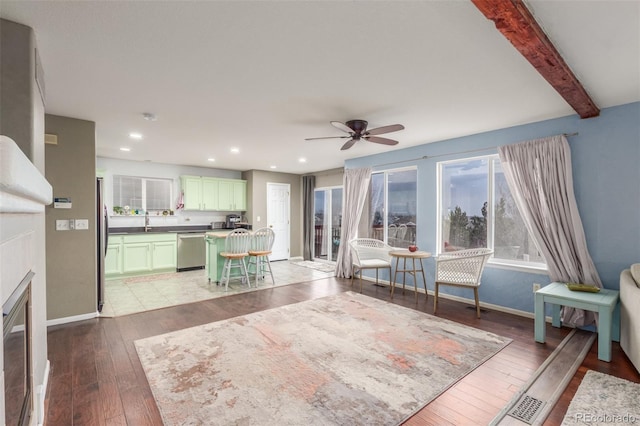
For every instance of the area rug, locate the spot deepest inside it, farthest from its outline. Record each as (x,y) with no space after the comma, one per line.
(341,360)
(319,266)
(602,399)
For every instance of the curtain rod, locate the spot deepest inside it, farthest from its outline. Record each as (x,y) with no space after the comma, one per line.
(425,157)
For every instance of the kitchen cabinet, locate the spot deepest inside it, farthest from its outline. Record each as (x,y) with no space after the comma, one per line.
(209,193)
(200,193)
(232,195)
(141,254)
(113,257)
(192,191)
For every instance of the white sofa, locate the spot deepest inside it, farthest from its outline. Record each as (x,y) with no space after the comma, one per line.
(630,313)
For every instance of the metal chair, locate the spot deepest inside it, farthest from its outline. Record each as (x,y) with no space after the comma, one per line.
(259,251)
(462,268)
(368,253)
(236,248)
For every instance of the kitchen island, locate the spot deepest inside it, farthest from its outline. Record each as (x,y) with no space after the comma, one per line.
(215,245)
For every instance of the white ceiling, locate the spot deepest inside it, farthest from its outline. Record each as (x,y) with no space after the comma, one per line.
(263,76)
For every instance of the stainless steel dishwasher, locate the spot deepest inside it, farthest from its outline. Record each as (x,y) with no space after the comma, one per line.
(191,251)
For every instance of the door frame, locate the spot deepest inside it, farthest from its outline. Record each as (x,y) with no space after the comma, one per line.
(287,238)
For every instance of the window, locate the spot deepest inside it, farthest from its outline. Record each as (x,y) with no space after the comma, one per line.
(142,193)
(393,200)
(476,209)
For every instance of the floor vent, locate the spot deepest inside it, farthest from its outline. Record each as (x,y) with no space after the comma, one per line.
(527,409)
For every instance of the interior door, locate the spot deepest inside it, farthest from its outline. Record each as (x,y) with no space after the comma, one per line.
(278,210)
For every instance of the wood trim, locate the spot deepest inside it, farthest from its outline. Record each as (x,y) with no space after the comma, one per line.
(517,24)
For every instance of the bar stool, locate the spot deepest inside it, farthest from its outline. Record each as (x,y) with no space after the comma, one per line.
(261,244)
(236,248)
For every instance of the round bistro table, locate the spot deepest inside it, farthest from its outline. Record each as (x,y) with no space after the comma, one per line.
(404,255)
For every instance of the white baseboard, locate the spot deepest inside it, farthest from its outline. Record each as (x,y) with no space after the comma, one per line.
(41,395)
(465,300)
(66,320)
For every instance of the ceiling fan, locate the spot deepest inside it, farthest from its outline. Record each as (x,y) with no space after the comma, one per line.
(357,130)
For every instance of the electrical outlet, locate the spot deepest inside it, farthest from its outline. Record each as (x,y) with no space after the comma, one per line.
(536,287)
(82,224)
(62,225)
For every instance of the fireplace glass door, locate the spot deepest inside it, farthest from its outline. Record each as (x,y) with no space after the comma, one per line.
(16,323)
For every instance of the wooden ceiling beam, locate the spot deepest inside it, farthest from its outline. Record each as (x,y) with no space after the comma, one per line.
(517,24)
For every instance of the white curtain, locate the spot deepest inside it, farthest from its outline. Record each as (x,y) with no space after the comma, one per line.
(539,176)
(355,186)
(308,219)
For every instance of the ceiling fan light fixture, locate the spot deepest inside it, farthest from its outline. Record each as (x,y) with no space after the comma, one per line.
(357,130)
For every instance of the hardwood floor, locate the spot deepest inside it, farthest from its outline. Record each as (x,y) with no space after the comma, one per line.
(97,379)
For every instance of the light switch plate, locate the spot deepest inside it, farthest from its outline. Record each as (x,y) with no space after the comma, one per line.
(62,225)
(82,224)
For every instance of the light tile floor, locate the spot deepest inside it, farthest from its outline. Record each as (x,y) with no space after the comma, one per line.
(137,294)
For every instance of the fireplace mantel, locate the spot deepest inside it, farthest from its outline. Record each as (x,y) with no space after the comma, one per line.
(23,189)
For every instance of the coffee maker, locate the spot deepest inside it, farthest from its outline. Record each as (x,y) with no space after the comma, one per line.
(232,219)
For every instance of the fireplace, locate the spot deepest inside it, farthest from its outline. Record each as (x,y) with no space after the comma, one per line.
(16,322)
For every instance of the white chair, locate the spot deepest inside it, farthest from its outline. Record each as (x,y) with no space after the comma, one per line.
(261,245)
(461,268)
(236,248)
(392,232)
(368,253)
(401,235)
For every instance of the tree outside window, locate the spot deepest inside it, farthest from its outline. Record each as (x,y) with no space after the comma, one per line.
(477,210)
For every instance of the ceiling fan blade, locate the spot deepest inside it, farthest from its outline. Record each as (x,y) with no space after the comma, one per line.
(349,144)
(385,129)
(341,126)
(378,139)
(327,137)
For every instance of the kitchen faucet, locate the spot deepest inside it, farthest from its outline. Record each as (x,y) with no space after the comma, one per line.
(146,222)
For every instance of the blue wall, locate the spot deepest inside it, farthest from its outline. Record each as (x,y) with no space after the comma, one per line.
(606,174)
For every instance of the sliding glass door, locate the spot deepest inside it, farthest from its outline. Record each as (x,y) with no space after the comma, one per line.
(328,220)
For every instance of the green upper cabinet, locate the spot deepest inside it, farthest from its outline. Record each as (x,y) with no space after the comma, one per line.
(192,190)
(208,193)
(232,195)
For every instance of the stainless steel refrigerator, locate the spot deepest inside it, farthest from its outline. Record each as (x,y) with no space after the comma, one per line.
(102,238)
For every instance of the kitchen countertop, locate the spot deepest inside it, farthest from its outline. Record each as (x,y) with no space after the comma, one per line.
(158,229)
(218,233)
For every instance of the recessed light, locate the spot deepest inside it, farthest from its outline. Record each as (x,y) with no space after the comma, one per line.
(135,135)
(235,150)
(302,160)
(272,167)
(125,149)
(211,159)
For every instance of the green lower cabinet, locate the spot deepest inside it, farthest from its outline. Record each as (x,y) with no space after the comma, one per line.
(137,257)
(164,255)
(113,257)
(140,254)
